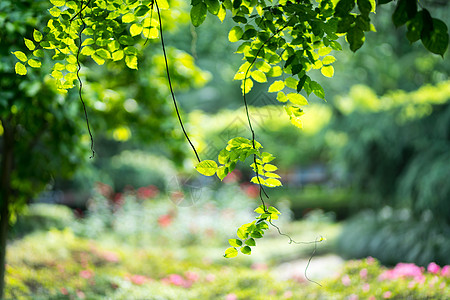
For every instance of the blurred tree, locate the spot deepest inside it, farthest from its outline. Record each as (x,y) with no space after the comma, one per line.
(43,134)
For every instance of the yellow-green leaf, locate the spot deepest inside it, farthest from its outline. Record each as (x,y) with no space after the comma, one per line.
(222,13)
(20,55)
(100,61)
(248,85)
(291,82)
(131,61)
(272,182)
(55,12)
(58,2)
(88,41)
(276,86)
(235,34)
(135,29)
(327,71)
(29,43)
(297,99)
(324,51)
(57,74)
(282,97)
(72,68)
(163,4)
(207,167)
(231,252)
(20,69)
(150,33)
(37,36)
(128,18)
(34,63)
(328,60)
(270,168)
(118,55)
(87,50)
(259,76)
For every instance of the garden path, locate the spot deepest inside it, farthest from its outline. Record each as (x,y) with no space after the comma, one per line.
(321,267)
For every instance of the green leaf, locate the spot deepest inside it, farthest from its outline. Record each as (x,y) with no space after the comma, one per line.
(250,242)
(198,14)
(246,250)
(231,252)
(20,55)
(87,50)
(404,11)
(29,43)
(37,36)
(276,86)
(242,233)
(366,6)
(259,209)
(222,13)
(327,71)
(297,99)
(141,10)
(118,55)
(207,167)
(437,40)
(38,53)
(235,34)
(273,210)
(131,61)
(103,53)
(256,235)
(222,172)
(55,12)
(344,7)
(235,242)
(317,89)
(415,27)
(355,38)
(34,63)
(259,76)
(20,69)
(135,29)
(291,82)
(213,6)
(248,85)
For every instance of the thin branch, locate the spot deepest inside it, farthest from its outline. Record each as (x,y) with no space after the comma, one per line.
(170,83)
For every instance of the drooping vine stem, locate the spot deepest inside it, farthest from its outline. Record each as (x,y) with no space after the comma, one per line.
(80,89)
(170,82)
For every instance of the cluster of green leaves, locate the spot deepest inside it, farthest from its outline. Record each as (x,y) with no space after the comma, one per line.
(420,25)
(239,149)
(247,233)
(110,31)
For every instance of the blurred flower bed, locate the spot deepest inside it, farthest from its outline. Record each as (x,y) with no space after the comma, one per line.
(147,244)
(59,265)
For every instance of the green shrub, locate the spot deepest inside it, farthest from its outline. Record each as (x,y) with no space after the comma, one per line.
(394,236)
(42,217)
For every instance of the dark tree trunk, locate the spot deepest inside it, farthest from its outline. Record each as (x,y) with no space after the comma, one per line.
(5,192)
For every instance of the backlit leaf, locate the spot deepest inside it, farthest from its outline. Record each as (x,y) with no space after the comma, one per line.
(37,36)
(259,76)
(276,86)
(20,69)
(296,98)
(198,14)
(235,34)
(207,167)
(231,252)
(29,43)
(20,55)
(34,63)
(327,71)
(131,61)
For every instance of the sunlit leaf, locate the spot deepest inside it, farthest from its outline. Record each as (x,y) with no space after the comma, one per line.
(235,34)
(207,167)
(296,98)
(20,55)
(231,252)
(327,71)
(276,86)
(20,69)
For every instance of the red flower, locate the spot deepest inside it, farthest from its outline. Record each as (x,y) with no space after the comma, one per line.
(147,192)
(139,279)
(165,220)
(251,190)
(233,177)
(64,291)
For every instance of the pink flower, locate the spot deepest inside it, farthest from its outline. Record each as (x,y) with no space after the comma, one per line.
(231,297)
(259,266)
(81,295)
(445,271)
(64,291)
(442,285)
(86,274)
(363,273)
(372,298)
(139,279)
(287,294)
(233,177)
(387,295)
(403,270)
(210,277)
(346,280)
(251,190)
(433,268)
(370,260)
(353,297)
(366,287)
(191,276)
(176,279)
(110,256)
